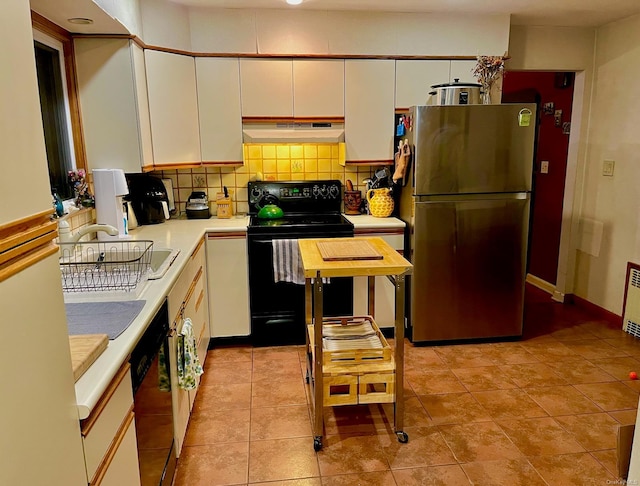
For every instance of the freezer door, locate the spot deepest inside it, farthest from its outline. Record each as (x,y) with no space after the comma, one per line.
(470,149)
(469,260)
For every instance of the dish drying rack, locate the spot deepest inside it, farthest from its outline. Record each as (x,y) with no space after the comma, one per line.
(109,266)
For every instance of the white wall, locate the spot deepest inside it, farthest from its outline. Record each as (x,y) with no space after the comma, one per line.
(165,24)
(40,431)
(563,49)
(613,134)
(125,11)
(284,32)
(550,48)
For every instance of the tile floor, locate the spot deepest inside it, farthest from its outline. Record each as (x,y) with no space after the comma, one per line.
(540,411)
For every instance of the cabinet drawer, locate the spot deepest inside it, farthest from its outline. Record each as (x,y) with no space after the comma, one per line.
(121,466)
(195,306)
(179,291)
(101,427)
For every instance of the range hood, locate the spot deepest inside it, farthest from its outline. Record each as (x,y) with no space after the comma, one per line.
(278,132)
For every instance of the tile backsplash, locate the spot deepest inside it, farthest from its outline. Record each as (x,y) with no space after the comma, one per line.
(276,162)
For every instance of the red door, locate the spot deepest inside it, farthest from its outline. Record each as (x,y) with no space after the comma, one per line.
(554,94)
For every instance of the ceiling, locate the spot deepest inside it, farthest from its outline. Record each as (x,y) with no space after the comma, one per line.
(574,13)
(584,13)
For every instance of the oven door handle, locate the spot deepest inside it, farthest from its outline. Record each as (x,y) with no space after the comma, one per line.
(262,242)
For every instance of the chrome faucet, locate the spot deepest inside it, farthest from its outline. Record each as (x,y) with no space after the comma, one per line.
(65,235)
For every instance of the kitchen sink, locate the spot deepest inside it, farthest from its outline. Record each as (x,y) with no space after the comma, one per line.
(111,270)
(161,260)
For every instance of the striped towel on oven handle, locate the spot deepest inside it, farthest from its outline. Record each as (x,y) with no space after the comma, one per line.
(287,264)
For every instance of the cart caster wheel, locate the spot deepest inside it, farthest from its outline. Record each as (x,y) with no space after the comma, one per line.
(403,438)
(317,444)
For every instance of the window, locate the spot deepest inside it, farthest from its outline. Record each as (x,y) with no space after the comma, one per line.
(64,147)
(54,119)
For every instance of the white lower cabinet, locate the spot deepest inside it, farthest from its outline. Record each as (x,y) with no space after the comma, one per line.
(228,282)
(124,462)
(109,436)
(385,298)
(187,299)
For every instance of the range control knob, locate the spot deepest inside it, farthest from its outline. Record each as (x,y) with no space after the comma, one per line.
(334,192)
(256,193)
(324,191)
(316,191)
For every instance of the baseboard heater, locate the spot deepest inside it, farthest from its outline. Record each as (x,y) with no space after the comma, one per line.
(631,309)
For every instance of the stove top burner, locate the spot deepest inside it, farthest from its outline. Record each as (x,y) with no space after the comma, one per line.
(308,225)
(300,220)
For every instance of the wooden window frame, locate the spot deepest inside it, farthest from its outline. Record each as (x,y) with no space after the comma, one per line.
(44,25)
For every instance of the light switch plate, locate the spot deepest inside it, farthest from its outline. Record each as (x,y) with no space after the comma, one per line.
(544,167)
(607,167)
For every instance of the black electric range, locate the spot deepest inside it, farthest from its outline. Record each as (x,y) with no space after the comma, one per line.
(311,210)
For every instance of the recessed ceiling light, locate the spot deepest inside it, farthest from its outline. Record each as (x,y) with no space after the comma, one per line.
(80,20)
(294,2)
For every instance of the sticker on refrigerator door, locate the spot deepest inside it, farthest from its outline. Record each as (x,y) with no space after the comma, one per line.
(524,117)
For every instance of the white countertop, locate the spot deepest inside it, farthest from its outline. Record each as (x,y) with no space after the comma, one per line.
(366,221)
(183,235)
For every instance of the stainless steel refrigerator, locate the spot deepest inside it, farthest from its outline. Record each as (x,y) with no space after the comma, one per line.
(466,200)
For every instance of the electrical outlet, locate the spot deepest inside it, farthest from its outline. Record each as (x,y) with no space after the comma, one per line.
(607,167)
(544,167)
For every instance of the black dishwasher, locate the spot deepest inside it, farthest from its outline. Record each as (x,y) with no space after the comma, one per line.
(152,403)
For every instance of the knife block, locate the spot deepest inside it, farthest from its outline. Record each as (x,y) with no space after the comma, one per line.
(224,208)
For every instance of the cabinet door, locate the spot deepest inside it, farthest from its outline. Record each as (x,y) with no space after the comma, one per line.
(415,78)
(179,397)
(266,87)
(318,88)
(124,468)
(142,98)
(369,109)
(228,285)
(173,108)
(463,70)
(109,101)
(219,109)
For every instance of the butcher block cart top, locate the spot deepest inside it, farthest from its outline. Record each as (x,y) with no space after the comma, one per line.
(353,257)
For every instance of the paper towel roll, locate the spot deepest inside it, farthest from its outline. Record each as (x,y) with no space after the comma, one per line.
(168,185)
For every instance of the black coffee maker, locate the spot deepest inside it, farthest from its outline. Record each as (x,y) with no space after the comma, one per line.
(148,197)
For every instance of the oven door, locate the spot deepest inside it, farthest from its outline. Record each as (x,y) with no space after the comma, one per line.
(278,309)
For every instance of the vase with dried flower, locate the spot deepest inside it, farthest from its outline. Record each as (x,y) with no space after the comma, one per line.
(78,182)
(487,70)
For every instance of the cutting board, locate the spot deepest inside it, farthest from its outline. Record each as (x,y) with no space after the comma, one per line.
(357,249)
(85,349)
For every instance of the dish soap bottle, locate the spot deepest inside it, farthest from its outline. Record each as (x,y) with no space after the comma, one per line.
(57,203)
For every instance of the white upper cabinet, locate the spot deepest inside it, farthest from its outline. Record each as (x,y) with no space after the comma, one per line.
(266,87)
(369,109)
(113,99)
(463,70)
(302,88)
(219,109)
(415,78)
(142,99)
(318,88)
(173,108)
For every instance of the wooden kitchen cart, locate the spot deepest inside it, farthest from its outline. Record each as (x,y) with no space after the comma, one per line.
(377,259)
